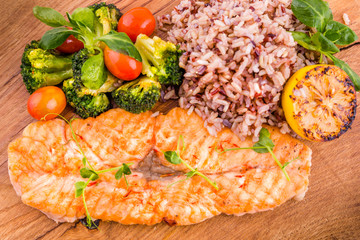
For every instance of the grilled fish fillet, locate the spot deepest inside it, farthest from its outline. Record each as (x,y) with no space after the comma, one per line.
(44,164)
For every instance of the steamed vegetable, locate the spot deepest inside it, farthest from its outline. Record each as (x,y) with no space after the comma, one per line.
(160,59)
(41,67)
(137,96)
(107,15)
(86,103)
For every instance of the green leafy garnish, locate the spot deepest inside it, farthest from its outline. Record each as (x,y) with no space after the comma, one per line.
(317,14)
(85,27)
(50,17)
(265,145)
(173,157)
(121,42)
(312,13)
(339,33)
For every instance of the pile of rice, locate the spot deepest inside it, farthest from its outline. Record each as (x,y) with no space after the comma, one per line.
(238,56)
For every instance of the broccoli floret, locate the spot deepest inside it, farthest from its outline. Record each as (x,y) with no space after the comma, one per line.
(137,96)
(85,104)
(41,67)
(160,59)
(108,16)
(90,71)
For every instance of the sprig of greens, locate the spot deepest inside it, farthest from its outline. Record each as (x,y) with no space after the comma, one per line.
(173,157)
(318,15)
(265,145)
(83,23)
(90,173)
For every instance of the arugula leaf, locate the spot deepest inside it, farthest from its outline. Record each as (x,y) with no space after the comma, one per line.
(120,42)
(50,17)
(313,13)
(55,37)
(304,40)
(324,45)
(344,66)
(172,157)
(339,33)
(85,16)
(79,188)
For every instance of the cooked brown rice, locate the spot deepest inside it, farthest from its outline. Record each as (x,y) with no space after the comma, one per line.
(238,55)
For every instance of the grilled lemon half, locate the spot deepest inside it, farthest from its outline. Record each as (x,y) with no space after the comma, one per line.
(319,102)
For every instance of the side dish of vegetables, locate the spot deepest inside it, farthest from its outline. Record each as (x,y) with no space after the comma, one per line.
(93,61)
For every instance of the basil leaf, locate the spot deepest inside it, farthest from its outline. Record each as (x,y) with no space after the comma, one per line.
(120,42)
(50,16)
(324,44)
(172,157)
(84,16)
(55,37)
(339,33)
(93,72)
(79,188)
(119,173)
(304,40)
(344,66)
(88,173)
(312,13)
(126,169)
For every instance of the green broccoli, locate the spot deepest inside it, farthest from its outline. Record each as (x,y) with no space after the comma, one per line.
(160,59)
(108,16)
(41,68)
(137,96)
(90,71)
(85,104)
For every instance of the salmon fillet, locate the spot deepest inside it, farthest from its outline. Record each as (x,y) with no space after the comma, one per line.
(44,165)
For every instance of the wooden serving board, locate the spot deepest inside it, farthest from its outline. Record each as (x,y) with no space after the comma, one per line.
(331,209)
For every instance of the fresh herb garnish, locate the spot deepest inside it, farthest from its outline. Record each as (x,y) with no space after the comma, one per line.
(82,21)
(265,145)
(318,15)
(90,173)
(174,158)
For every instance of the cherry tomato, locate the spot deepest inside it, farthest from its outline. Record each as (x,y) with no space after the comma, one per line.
(122,66)
(46,100)
(71,45)
(135,21)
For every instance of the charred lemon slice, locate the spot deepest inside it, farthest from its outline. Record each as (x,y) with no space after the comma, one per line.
(319,102)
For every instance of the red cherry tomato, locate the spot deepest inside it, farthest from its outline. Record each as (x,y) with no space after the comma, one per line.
(122,66)
(71,45)
(135,21)
(46,100)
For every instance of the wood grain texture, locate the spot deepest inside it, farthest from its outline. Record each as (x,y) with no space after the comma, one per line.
(331,209)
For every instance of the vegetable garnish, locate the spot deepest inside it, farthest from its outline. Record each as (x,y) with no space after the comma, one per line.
(83,22)
(318,15)
(91,174)
(265,145)
(174,158)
